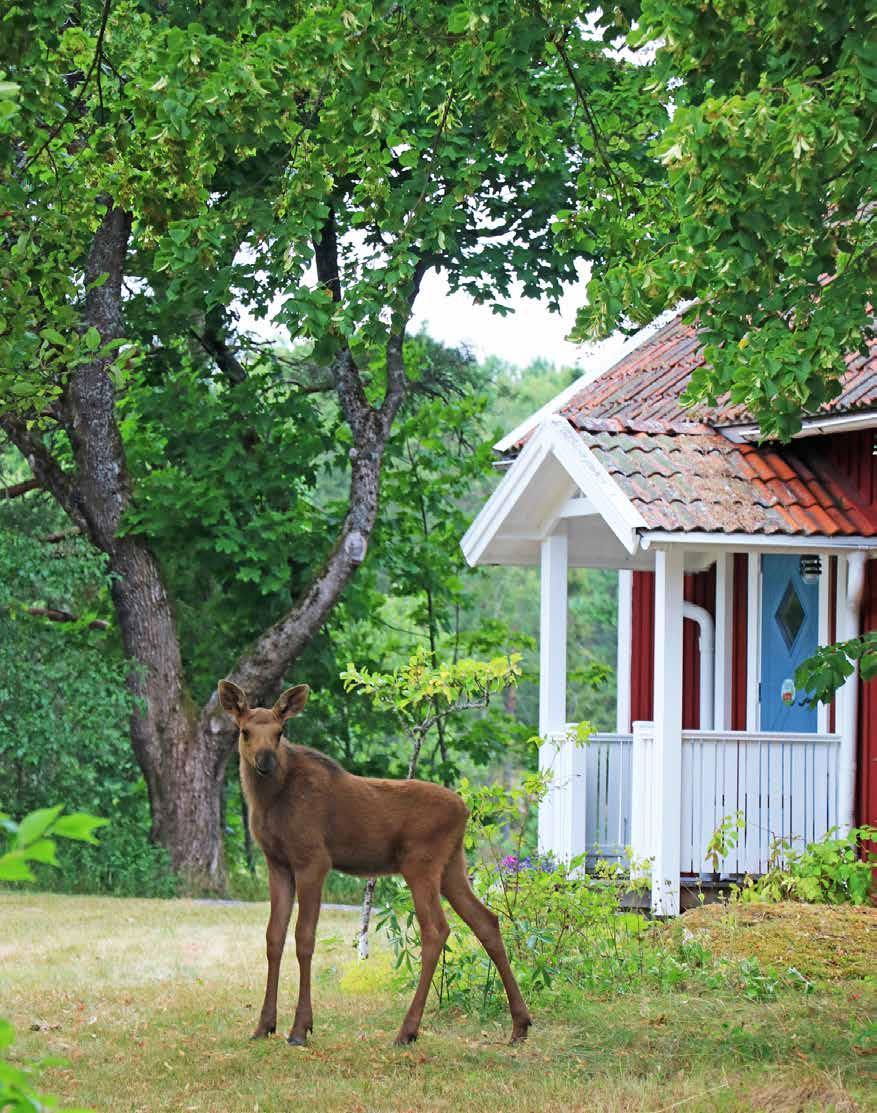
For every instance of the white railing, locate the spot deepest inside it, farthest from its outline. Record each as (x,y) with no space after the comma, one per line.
(588,805)
(643,804)
(785,785)
(603,795)
(607,787)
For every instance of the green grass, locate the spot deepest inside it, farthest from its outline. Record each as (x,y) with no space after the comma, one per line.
(151,1003)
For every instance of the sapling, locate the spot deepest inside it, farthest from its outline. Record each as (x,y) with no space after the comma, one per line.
(422,695)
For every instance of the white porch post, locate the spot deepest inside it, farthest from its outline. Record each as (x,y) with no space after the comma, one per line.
(753,643)
(724,635)
(850,582)
(668,729)
(822,637)
(623,651)
(552,679)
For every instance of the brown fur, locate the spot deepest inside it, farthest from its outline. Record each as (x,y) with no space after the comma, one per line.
(309,815)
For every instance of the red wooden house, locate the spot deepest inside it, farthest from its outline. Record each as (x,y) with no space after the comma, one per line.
(735,561)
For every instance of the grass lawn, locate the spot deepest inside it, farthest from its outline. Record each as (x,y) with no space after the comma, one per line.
(151,1003)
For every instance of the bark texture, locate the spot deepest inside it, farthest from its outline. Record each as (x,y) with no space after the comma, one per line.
(182,775)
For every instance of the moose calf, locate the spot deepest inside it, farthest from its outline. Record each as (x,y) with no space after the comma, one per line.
(309,815)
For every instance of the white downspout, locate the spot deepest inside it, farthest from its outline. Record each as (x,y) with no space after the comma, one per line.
(849,626)
(707,631)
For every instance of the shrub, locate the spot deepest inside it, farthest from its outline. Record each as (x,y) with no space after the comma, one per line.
(834,870)
(566,930)
(29,842)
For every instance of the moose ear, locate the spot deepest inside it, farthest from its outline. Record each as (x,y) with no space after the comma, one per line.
(291,702)
(233,699)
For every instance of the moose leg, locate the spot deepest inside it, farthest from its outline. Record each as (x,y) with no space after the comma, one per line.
(309,884)
(433,935)
(281,886)
(485,925)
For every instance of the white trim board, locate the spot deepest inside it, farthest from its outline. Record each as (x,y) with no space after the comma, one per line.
(604,497)
(813,426)
(758,542)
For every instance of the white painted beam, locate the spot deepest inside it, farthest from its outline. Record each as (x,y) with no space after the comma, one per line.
(624,651)
(823,709)
(552,675)
(724,640)
(850,584)
(668,730)
(757,542)
(577,507)
(753,642)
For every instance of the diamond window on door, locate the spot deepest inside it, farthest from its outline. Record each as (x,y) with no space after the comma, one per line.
(790,615)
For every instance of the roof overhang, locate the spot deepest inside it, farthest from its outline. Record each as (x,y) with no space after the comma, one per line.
(556,480)
(810,426)
(759,542)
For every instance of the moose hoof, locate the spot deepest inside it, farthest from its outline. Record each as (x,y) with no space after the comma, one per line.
(263,1031)
(404,1039)
(521,1030)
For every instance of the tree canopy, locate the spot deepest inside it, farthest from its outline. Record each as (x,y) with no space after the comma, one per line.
(764,222)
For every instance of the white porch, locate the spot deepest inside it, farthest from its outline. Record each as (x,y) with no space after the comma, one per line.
(653,787)
(657,792)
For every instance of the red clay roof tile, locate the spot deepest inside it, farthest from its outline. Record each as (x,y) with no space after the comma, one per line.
(641,391)
(703,481)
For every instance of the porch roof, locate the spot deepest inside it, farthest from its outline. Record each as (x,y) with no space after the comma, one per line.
(614,493)
(704,482)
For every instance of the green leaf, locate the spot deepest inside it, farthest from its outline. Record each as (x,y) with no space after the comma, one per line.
(33,826)
(80,826)
(91,339)
(13,867)
(42,851)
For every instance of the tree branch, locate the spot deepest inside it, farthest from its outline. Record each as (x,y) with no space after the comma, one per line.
(95,65)
(47,471)
(214,344)
(55,615)
(16,490)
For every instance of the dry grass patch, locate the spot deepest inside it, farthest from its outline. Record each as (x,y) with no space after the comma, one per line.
(152,1003)
(824,942)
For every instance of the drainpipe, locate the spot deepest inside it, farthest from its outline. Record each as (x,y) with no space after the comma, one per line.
(707,630)
(848,712)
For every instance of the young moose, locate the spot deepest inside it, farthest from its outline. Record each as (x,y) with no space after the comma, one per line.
(309,815)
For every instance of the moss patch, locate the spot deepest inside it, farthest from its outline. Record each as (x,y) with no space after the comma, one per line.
(822,942)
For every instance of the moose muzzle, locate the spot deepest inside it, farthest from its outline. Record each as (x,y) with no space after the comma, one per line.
(266,762)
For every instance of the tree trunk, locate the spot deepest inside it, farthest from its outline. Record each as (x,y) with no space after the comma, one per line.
(183,753)
(183,768)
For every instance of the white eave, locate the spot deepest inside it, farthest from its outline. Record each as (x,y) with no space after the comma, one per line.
(555,479)
(810,427)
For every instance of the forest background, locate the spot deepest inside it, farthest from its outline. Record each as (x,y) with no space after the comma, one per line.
(64,704)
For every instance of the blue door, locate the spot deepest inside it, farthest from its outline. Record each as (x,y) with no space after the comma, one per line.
(789,634)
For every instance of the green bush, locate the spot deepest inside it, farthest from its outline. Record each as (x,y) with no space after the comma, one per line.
(566,931)
(28,844)
(834,870)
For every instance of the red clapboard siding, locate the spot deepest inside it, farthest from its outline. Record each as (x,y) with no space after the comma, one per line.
(832,624)
(738,642)
(700,588)
(642,653)
(852,454)
(866,772)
